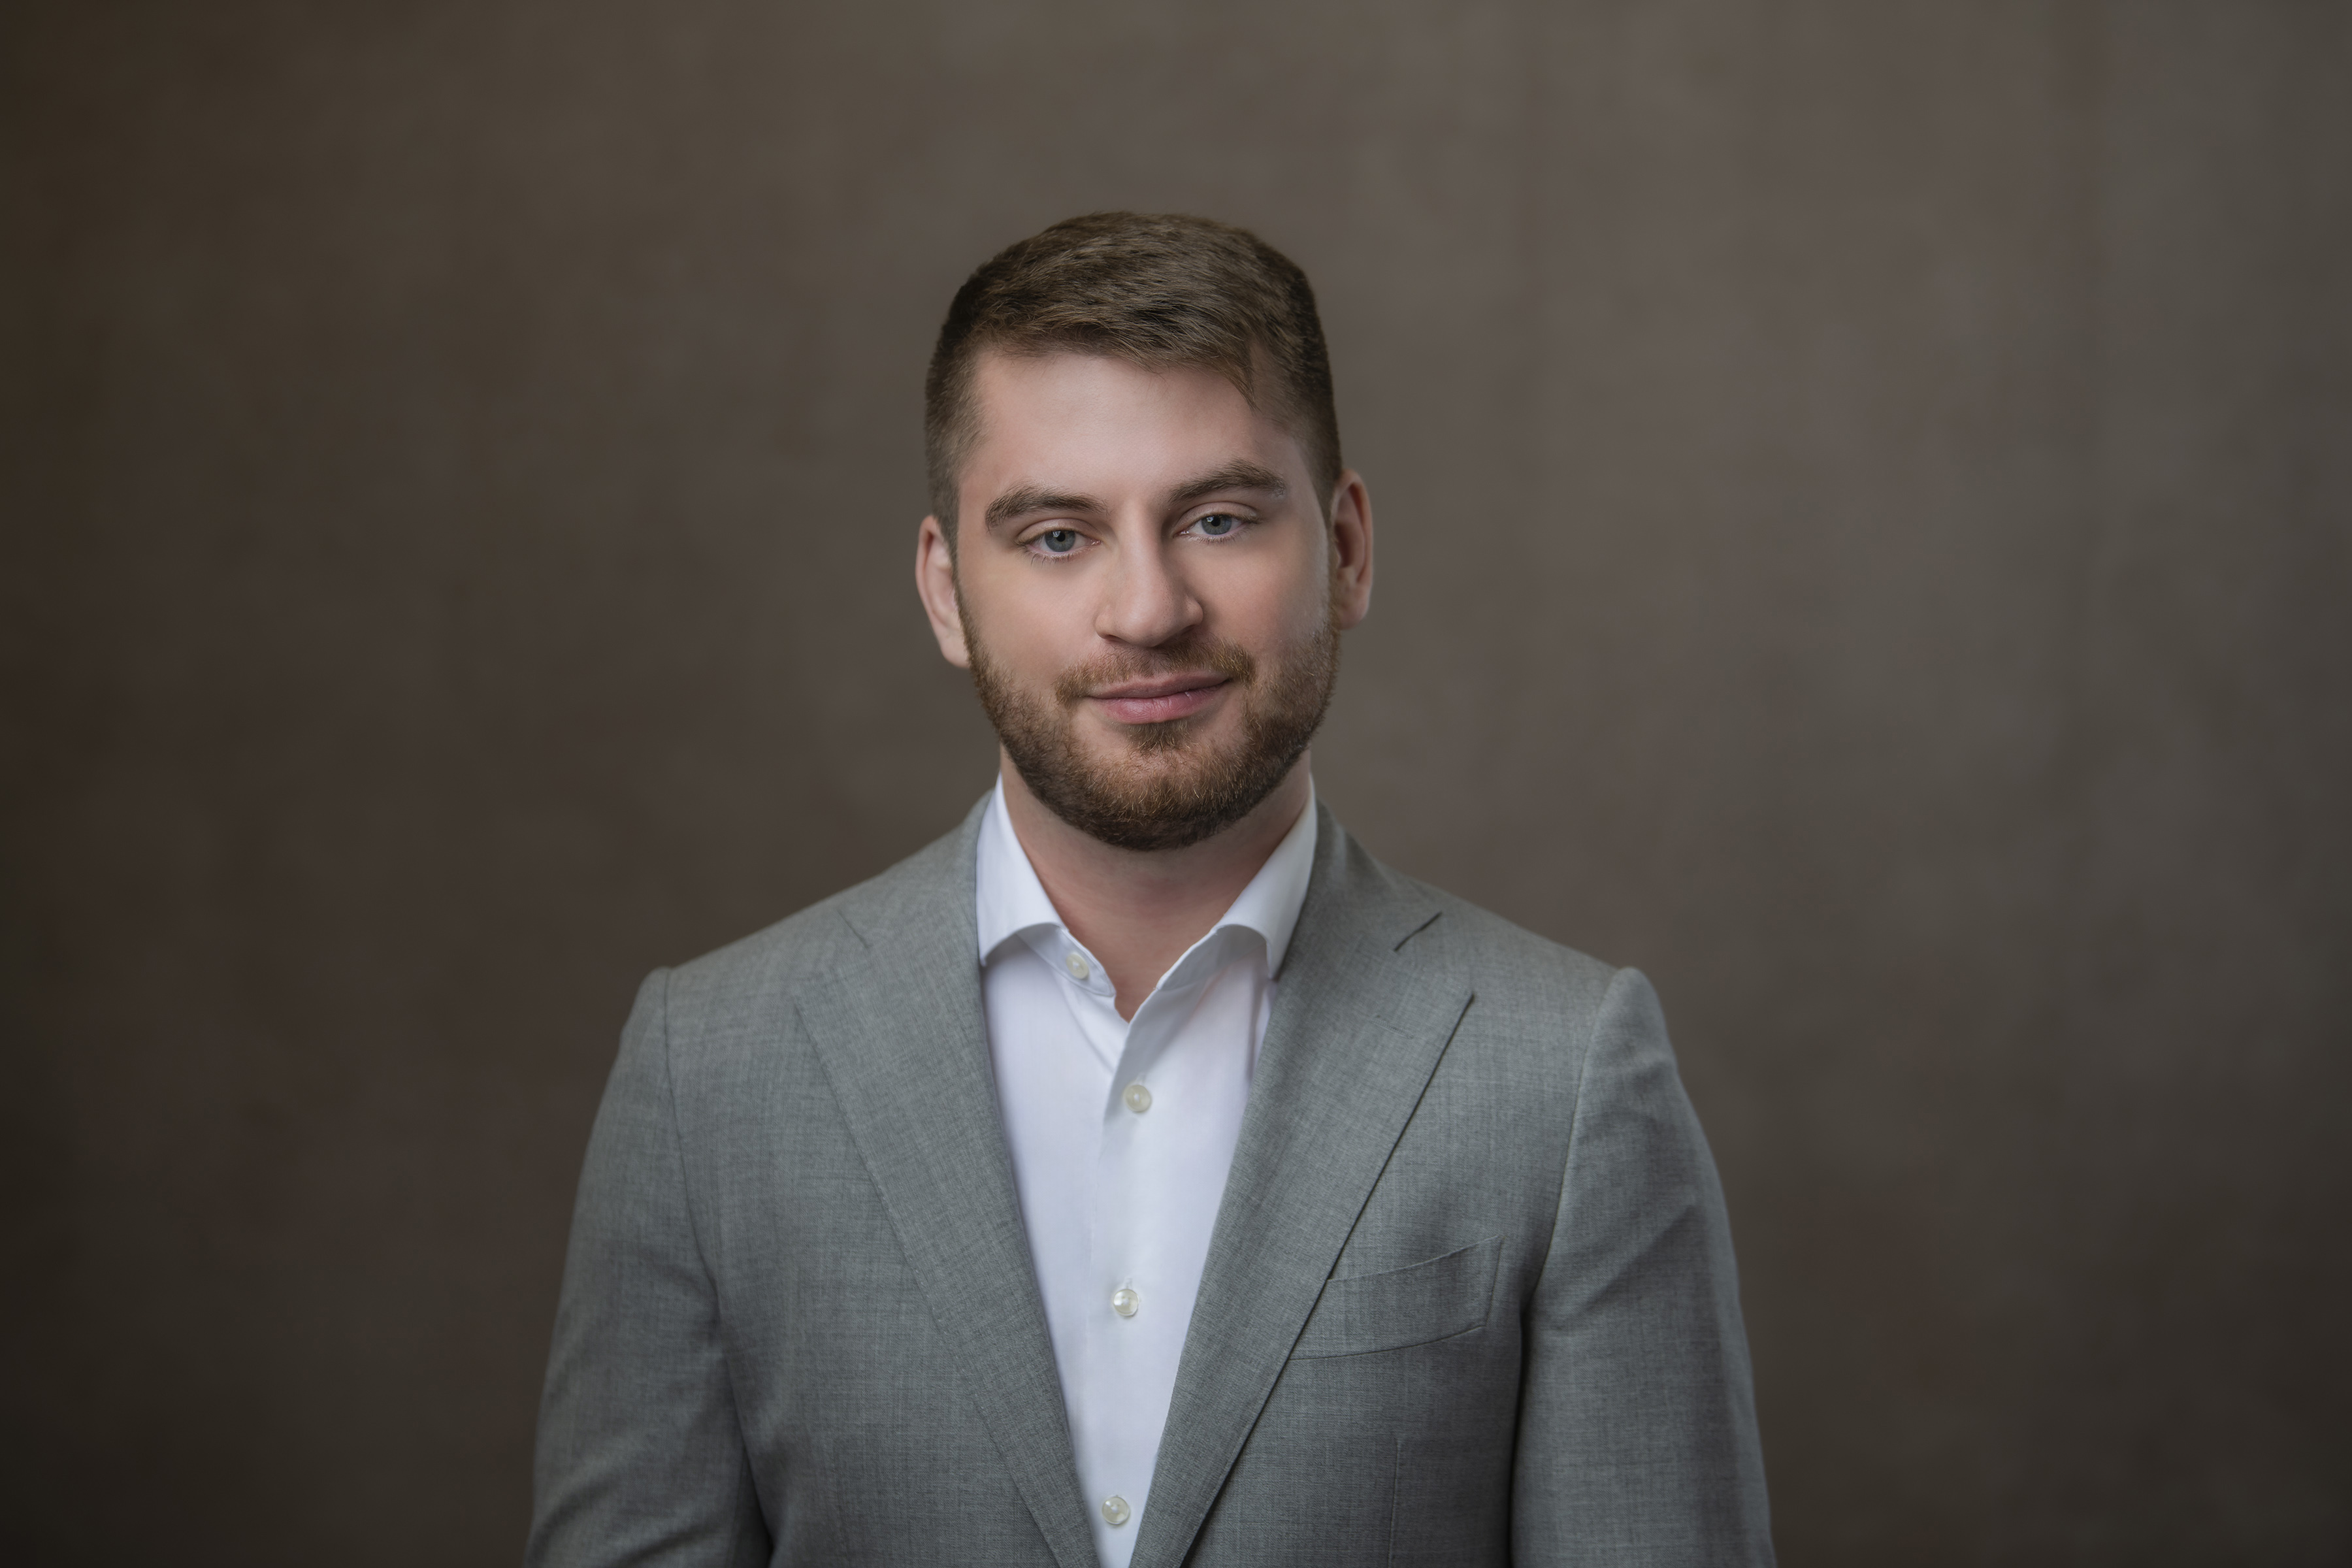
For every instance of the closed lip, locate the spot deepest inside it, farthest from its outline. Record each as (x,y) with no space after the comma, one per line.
(1163,699)
(1158,686)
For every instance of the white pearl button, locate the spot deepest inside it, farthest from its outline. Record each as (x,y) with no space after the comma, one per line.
(1116,1511)
(1076,964)
(1124,1301)
(1138,1097)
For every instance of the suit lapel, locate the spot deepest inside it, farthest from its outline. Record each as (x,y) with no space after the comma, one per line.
(1357,1030)
(902,1031)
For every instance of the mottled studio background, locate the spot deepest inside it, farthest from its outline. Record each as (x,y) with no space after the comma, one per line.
(1866,506)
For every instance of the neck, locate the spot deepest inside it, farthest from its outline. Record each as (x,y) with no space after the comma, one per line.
(1137,910)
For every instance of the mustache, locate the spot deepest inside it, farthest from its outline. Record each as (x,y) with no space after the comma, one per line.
(1182,656)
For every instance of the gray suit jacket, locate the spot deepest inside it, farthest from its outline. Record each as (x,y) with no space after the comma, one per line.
(1470,1298)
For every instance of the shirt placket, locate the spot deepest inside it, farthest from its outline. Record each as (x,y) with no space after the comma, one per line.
(1137,1324)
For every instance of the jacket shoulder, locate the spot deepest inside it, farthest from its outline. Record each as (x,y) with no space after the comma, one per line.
(776,959)
(1516,974)
(1538,1009)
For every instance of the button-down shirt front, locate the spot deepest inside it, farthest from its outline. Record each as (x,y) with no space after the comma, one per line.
(1122,1132)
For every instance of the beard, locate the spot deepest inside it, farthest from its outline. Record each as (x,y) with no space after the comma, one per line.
(1166,785)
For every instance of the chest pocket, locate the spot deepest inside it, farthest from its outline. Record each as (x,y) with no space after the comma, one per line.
(1411,1306)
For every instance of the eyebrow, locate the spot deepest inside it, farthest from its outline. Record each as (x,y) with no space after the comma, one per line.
(1022,500)
(1243,474)
(1240,476)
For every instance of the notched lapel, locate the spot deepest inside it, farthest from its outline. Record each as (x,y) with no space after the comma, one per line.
(903,1037)
(1357,1029)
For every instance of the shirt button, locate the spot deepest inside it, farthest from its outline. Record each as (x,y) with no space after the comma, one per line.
(1138,1097)
(1116,1512)
(1076,964)
(1125,1303)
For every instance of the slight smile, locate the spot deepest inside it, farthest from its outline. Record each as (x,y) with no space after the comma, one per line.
(1160,699)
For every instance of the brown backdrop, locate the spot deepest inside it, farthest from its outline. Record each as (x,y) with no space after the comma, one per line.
(1863,493)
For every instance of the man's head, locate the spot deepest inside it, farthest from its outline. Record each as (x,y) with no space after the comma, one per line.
(1141,543)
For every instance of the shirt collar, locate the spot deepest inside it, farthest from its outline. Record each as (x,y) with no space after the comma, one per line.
(1012,902)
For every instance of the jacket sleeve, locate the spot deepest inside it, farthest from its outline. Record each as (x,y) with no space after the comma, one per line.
(1637,1422)
(640,1458)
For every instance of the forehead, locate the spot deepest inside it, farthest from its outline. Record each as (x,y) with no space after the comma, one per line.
(1107,427)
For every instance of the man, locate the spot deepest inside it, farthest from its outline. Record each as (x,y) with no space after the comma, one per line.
(1143,1174)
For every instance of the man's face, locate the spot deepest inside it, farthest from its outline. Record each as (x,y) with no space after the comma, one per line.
(1145,590)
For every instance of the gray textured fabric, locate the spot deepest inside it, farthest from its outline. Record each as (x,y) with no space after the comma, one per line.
(1470,1298)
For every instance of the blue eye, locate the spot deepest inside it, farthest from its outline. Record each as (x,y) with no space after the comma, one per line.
(1218,524)
(1058,540)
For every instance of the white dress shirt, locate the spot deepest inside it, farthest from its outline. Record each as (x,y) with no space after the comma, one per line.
(1122,1135)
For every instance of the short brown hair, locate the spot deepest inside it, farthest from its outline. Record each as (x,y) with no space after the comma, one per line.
(1159,289)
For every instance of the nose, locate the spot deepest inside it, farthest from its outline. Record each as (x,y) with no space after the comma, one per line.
(1146,602)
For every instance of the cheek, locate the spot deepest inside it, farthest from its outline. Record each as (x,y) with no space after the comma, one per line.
(1029,627)
(1277,608)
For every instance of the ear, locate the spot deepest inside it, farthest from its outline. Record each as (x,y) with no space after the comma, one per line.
(935,585)
(1352,550)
